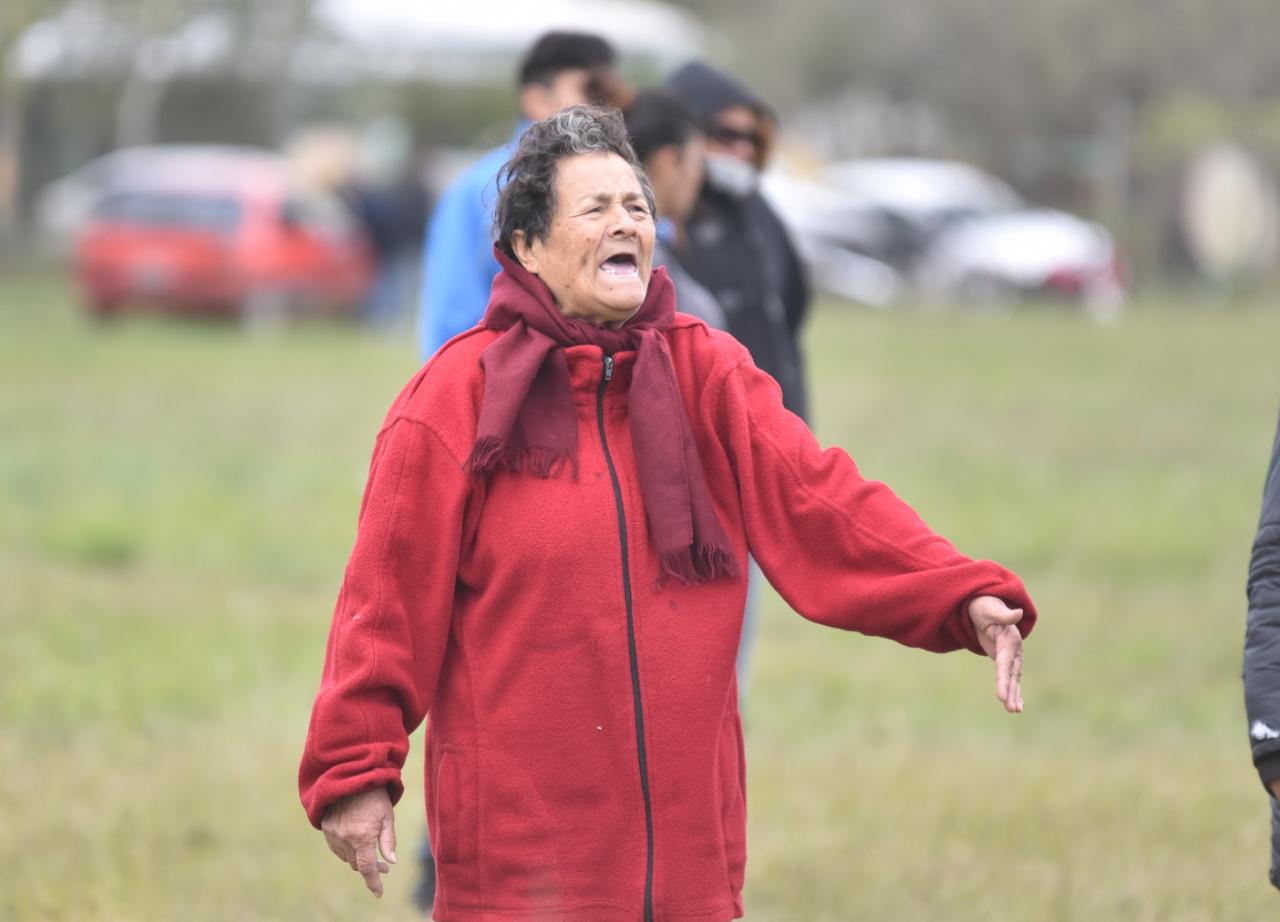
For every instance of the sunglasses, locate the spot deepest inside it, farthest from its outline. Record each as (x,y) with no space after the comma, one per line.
(726,135)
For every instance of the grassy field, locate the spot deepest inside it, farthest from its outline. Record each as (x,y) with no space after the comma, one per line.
(177,501)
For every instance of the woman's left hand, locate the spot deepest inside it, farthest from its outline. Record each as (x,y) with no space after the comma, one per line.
(997,627)
(357,827)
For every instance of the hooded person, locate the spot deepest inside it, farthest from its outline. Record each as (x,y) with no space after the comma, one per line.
(735,244)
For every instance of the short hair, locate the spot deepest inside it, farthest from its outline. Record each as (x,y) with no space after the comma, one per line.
(556,52)
(656,119)
(527,201)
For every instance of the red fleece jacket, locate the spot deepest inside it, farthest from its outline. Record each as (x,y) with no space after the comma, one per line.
(584,754)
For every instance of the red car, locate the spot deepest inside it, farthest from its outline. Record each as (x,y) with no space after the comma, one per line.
(219,231)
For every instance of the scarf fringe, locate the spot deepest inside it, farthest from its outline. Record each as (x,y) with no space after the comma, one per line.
(699,564)
(490,454)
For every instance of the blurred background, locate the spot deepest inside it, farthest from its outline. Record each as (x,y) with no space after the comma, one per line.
(1044,237)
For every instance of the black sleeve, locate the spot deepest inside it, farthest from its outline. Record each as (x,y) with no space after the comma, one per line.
(1262,638)
(795,283)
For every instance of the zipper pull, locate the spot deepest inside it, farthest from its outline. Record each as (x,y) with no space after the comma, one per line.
(608,368)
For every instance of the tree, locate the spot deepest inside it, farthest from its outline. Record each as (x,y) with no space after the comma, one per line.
(259,37)
(16,17)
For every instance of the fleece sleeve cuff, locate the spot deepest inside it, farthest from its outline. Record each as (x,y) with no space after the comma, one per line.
(318,800)
(1268,768)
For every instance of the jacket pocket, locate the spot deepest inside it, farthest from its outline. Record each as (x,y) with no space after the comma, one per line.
(454,807)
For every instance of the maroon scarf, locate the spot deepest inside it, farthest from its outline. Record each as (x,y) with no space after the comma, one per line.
(527,420)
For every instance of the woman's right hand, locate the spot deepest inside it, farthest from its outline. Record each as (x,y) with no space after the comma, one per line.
(996,626)
(356,827)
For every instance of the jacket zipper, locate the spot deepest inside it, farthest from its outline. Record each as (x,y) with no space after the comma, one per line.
(631,643)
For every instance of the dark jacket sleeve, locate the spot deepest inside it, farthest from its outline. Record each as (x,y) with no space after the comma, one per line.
(795,289)
(1262,639)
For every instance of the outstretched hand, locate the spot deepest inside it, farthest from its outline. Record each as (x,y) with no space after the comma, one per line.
(356,827)
(997,627)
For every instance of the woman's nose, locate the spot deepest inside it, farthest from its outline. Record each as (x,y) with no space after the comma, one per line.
(623,222)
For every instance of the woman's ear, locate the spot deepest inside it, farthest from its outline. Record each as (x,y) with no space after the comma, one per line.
(526,252)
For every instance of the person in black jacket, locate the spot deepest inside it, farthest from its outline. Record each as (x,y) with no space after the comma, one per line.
(1262,651)
(736,245)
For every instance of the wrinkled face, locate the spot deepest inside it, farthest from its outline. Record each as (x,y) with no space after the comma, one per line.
(736,131)
(598,252)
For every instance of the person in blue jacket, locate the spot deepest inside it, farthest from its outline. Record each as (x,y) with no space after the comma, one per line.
(561,69)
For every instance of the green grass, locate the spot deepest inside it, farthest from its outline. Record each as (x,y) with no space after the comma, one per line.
(177,501)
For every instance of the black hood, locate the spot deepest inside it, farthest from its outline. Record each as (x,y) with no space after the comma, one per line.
(707,91)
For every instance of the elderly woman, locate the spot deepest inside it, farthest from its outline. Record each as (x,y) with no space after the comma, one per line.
(550,560)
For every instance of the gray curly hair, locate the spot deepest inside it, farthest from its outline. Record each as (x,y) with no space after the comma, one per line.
(527,201)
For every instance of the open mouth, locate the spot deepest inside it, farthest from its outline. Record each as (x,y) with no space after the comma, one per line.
(619,264)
